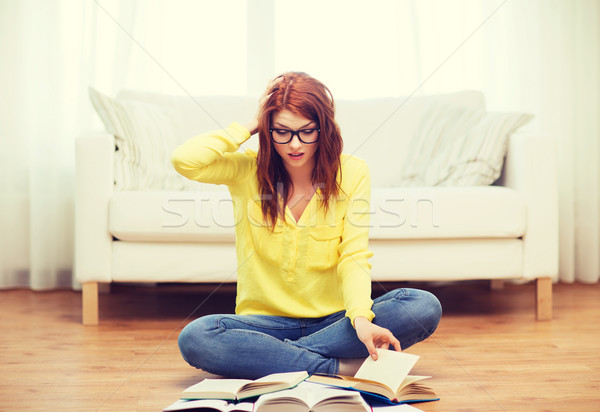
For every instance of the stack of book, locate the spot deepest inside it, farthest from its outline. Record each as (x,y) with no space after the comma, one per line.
(382,382)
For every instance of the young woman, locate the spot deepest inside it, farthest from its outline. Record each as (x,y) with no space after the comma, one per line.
(302,235)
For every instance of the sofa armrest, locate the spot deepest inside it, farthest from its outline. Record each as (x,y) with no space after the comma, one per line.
(530,168)
(94,181)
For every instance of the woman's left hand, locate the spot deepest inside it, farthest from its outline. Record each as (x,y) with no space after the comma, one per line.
(374,336)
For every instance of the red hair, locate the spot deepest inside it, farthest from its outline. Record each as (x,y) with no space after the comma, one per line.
(305,96)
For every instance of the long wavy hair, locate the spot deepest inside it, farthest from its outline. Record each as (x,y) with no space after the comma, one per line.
(305,96)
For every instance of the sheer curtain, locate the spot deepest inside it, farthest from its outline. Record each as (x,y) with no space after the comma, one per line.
(41,110)
(537,56)
(52,51)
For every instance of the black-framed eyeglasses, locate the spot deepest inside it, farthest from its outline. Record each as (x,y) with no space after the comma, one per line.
(306,136)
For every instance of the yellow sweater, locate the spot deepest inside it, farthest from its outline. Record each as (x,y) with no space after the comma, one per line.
(306,269)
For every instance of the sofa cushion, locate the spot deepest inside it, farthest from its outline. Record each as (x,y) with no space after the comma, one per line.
(149,126)
(144,134)
(409,213)
(445,213)
(181,216)
(459,146)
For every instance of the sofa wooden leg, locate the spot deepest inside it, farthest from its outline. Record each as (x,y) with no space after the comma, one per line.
(89,294)
(544,298)
(496,284)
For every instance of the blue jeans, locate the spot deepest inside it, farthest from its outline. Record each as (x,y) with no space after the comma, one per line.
(251,346)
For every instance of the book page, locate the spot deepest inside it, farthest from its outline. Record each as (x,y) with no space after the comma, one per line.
(215,388)
(270,383)
(412,378)
(390,368)
(295,398)
(347,382)
(306,395)
(318,393)
(213,404)
(289,378)
(283,377)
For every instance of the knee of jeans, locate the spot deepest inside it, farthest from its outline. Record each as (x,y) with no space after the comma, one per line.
(430,311)
(192,341)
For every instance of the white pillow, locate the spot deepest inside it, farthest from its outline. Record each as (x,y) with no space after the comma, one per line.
(145,135)
(378,130)
(459,146)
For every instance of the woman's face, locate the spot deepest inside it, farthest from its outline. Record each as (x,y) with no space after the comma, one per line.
(297,156)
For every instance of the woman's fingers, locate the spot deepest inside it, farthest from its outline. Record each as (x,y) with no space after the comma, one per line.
(396,344)
(388,339)
(268,92)
(270,86)
(371,348)
(374,336)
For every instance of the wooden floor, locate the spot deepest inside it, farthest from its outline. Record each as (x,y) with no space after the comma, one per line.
(488,354)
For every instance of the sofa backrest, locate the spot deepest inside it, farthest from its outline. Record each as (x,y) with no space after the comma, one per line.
(376,130)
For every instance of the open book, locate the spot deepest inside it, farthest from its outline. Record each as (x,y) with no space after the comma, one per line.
(209,405)
(386,378)
(311,397)
(236,389)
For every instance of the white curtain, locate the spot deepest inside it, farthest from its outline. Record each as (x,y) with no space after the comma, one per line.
(539,56)
(42,108)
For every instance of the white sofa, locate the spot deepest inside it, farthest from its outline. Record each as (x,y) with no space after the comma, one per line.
(508,230)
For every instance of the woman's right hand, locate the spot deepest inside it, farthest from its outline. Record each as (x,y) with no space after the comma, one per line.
(252,125)
(268,91)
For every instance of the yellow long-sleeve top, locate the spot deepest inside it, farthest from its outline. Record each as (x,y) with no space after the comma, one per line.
(305,269)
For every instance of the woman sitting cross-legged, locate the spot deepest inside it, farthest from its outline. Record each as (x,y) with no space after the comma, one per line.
(302,211)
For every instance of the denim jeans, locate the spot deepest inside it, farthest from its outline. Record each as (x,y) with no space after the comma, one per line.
(251,346)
